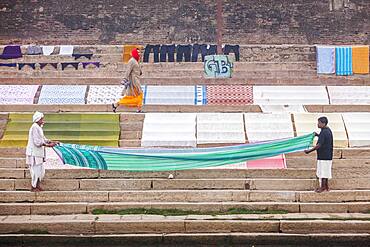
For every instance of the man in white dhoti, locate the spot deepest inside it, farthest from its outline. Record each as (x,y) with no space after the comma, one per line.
(324,148)
(35,151)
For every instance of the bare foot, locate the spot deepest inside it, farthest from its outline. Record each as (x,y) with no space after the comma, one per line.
(114,108)
(319,190)
(34,189)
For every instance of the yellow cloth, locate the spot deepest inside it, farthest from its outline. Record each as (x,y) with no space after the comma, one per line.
(127,51)
(360,59)
(132,101)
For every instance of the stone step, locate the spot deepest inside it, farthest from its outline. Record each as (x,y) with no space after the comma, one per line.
(131,126)
(296,173)
(308,162)
(185,184)
(133,224)
(107,80)
(193,239)
(112,72)
(132,117)
(182,174)
(333,196)
(172,108)
(60,208)
(130,143)
(128,135)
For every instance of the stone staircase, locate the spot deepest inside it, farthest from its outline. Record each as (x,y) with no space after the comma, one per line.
(214,207)
(279,201)
(259,65)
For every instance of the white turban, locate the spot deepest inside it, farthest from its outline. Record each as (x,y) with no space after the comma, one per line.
(37,116)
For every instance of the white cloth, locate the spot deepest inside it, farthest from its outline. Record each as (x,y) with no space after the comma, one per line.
(323,169)
(220,128)
(37,172)
(47,50)
(37,116)
(169,130)
(66,50)
(35,147)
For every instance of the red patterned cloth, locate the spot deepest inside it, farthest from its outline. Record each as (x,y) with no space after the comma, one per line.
(229,95)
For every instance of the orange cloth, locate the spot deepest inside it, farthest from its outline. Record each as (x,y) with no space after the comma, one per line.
(127,49)
(131,101)
(360,59)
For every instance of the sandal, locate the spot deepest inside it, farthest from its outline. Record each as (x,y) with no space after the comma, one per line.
(114,108)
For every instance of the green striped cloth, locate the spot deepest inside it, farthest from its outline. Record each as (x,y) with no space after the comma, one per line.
(175,159)
(97,129)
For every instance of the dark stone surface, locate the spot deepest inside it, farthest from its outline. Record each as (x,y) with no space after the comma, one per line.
(175,21)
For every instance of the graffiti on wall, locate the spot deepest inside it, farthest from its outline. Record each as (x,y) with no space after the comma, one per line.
(218,66)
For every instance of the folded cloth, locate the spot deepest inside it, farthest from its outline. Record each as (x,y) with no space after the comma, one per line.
(66,50)
(55,65)
(65,65)
(360,59)
(84,64)
(34,50)
(343,60)
(21,65)
(11,51)
(47,50)
(325,56)
(8,65)
(78,55)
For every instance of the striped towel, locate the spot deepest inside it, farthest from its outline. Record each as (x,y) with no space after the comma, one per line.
(360,57)
(343,60)
(325,57)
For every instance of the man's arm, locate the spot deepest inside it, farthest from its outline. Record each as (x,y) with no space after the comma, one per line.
(313,149)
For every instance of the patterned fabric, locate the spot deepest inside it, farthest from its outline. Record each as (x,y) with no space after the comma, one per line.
(200,97)
(229,95)
(17,94)
(325,56)
(174,95)
(62,94)
(105,94)
(343,60)
(83,157)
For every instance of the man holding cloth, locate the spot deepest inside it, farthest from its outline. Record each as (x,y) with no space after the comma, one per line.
(324,149)
(35,151)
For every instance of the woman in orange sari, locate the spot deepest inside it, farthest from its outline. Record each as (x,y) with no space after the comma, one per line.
(133,94)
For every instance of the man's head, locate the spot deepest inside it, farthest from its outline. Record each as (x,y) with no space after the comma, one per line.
(322,122)
(38,118)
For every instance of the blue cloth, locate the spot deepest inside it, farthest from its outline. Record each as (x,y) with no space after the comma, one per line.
(325,58)
(343,60)
(11,51)
(8,65)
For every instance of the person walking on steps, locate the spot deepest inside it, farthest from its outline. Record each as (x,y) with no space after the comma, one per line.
(35,151)
(324,149)
(133,94)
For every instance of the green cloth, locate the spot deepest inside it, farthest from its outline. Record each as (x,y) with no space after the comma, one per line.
(176,159)
(94,128)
